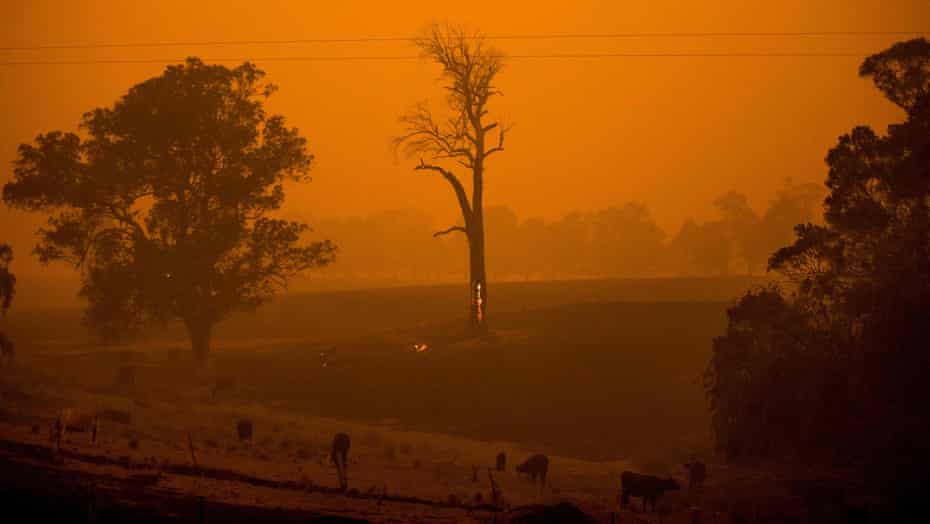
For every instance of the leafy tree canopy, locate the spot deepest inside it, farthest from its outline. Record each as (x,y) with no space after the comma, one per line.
(833,365)
(166,200)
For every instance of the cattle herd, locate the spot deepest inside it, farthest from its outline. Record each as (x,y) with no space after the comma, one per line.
(535,468)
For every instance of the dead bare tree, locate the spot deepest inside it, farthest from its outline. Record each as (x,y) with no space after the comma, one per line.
(466,138)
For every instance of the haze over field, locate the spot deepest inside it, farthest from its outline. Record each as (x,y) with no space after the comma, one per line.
(655,262)
(670,133)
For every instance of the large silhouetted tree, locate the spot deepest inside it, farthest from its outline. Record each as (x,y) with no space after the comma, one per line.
(165,203)
(465,137)
(837,368)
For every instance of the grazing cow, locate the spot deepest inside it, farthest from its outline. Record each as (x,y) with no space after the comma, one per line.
(501,461)
(646,486)
(537,466)
(339,456)
(697,473)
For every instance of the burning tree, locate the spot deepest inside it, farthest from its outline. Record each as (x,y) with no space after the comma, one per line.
(466,138)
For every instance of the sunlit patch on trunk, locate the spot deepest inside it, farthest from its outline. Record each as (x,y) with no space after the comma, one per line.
(479,303)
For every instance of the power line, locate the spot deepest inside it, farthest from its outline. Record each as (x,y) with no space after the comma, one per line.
(400,58)
(536,36)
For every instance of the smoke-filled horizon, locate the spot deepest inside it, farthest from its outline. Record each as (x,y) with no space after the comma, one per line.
(398,247)
(669,132)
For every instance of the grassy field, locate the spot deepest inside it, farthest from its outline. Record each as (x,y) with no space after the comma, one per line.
(601,369)
(333,315)
(601,376)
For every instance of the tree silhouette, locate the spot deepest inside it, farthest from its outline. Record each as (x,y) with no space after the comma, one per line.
(7,290)
(702,249)
(836,369)
(466,137)
(7,279)
(625,241)
(743,225)
(164,206)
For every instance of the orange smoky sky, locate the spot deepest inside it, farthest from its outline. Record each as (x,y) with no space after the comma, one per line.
(670,132)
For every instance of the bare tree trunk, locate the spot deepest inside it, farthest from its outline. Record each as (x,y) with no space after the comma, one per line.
(477,274)
(479,283)
(200,332)
(469,67)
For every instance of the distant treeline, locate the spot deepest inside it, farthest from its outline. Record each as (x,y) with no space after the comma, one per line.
(616,242)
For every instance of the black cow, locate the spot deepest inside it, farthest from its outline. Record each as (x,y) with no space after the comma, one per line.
(339,455)
(646,486)
(537,466)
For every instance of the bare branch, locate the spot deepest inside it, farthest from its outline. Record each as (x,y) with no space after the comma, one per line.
(501,135)
(469,70)
(423,135)
(450,230)
(456,186)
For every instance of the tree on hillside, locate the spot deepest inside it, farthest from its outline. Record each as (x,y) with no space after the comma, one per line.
(567,246)
(743,225)
(838,368)
(466,138)
(7,278)
(165,203)
(703,249)
(626,241)
(7,291)
(755,237)
(793,204)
